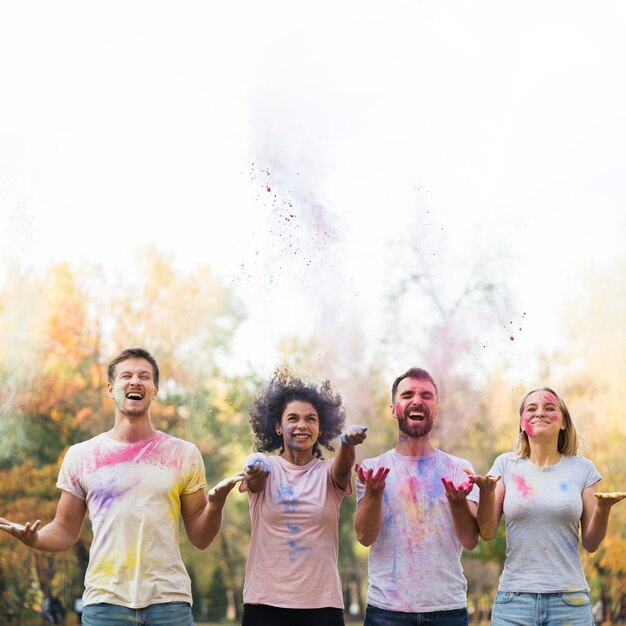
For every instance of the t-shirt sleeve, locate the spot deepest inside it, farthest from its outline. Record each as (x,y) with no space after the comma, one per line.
(68,479)
(592,475)
(498,468)
(196,478)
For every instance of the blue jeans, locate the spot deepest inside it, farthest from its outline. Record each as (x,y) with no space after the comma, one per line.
(541,609)
(381,617)
(167,614)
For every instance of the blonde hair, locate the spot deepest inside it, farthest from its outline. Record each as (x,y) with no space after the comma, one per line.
(570,440)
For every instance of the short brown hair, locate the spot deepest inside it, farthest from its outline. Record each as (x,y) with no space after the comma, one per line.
(414,372)
(133,353)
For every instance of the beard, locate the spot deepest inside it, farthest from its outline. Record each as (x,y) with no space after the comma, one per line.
(416,428)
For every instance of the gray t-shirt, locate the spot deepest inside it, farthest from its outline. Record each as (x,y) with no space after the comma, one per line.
(542,509)
(414,564)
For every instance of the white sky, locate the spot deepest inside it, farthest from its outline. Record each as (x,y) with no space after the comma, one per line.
(124,124)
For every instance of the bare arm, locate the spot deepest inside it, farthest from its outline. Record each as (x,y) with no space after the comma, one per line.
(595,517)
(202,515)
(490,505)
(344,459)
(463,512)
(369,512)
(60,534)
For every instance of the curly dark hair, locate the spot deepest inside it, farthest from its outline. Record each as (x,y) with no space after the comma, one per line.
(270,404)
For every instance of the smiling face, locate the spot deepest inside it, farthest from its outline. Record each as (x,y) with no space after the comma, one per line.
(541,415)
(415,406)
(299,426)
(133,388)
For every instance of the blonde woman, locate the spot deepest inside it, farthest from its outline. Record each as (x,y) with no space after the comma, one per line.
(547,495)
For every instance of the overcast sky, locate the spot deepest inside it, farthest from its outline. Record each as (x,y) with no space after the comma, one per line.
(292,145)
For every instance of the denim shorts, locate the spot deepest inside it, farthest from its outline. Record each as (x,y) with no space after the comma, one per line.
(541,609)
(382,617)
(167,614)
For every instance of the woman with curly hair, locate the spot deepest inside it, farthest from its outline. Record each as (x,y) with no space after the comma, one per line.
(294,497)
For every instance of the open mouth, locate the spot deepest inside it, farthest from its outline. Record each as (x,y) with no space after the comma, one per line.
(134,395)
(417,416)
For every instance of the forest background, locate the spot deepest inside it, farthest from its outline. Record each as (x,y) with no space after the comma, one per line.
(346,191)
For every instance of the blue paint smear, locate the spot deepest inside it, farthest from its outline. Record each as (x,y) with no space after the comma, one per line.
(295,550)
(287,497)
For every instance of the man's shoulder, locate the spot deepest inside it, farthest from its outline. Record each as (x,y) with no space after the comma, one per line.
(451,459)
(171,441)
(87,444)
(375,461)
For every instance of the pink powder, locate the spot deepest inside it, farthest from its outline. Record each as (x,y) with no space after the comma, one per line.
(523,487)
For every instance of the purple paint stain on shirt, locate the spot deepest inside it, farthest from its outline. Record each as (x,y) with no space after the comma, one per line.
(287,497)
(103,496)
(295,549)
(563,486)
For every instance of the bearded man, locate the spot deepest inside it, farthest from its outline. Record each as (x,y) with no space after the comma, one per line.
(416,511)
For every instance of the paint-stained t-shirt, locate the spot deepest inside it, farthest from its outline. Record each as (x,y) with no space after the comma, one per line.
(542,509)
(414,564)
(132,493)
(292,561)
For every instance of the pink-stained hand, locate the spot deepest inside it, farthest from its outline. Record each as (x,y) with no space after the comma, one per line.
(484,483)
(456,493)
(374,483)
(26,533)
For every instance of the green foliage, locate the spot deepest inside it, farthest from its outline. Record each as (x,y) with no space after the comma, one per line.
(217,602)
(52,394)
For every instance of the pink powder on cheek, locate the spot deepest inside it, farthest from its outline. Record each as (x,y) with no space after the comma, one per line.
(527,427)
(399,410)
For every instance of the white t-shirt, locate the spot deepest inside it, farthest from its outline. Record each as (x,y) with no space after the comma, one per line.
(132,493)
(542,509)
(414,564)
(292,561)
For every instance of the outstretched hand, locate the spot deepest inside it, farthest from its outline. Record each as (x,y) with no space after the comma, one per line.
(456,493)
(484,483)
(608,499)
(257,470)
(374,483)
(27,533)
(354,435)
(217,495)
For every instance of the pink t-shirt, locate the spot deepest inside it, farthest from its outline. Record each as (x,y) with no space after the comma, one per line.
(292,562)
